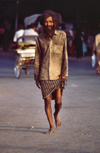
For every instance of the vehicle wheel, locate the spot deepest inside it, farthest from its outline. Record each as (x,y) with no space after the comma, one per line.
(17,69)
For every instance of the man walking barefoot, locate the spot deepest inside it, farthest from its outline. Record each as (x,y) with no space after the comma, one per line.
(51,65)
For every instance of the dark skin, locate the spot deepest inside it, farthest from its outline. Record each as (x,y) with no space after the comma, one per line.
(48,109)
(47,101)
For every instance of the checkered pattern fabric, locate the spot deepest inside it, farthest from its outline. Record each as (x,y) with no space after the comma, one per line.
(48,87)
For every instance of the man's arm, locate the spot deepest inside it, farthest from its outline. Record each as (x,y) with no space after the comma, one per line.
(64,70)
(37,64)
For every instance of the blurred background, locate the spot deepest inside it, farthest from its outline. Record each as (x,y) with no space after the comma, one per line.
(73,12)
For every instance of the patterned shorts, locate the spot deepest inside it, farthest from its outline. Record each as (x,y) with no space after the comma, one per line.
(48,87)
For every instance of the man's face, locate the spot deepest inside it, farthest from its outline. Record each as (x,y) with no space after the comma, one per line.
(49,26)
(49,23)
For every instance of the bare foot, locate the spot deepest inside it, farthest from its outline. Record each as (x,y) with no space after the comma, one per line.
(50,131)
(57,121)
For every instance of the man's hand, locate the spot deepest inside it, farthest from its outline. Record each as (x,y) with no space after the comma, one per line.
(63,78)
(38,84)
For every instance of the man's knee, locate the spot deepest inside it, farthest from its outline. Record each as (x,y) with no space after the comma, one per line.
(58,96)
(58,100)
(47,100)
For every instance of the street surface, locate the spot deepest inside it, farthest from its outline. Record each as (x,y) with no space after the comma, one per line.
(22,106)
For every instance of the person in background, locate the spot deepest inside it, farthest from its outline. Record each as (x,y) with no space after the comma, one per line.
(18,34)
(90,42)
(83,39)
(31,31)
(17,40)
(96,48)
(73,45)
(51,65)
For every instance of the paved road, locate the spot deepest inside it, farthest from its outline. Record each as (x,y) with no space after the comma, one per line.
(21,106)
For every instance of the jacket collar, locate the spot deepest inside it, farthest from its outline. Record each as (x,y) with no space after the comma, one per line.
(56,32)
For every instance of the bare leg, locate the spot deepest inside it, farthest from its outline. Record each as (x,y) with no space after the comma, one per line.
(58,104)
(48,111)
(26,71)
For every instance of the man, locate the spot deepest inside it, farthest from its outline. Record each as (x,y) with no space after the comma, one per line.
(18,34)
(30,31)
(51,65)
(96,48)
(18,40)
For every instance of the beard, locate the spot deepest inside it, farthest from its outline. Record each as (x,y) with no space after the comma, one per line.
(49,31)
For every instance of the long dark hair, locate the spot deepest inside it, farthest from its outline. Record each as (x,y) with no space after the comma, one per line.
(47,14)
